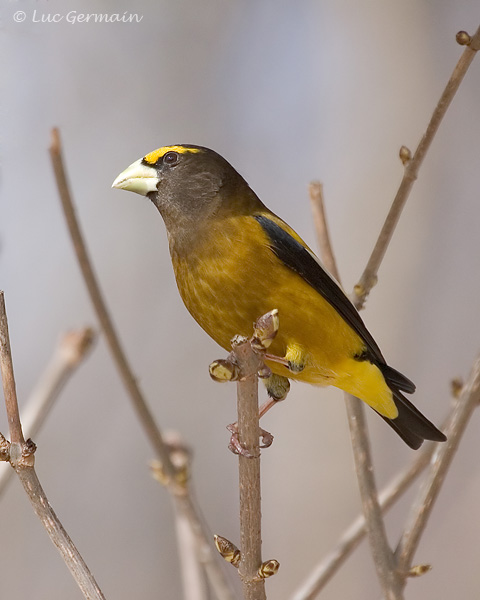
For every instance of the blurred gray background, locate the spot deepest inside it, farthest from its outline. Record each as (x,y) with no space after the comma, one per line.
(287,92)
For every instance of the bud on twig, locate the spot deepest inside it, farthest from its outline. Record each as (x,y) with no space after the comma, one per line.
(222,370)
(227,550)
(265,329)
(463,38)
(456,386)
(4,448)
(181,457)
(405,155)
(268,568)
(419,570)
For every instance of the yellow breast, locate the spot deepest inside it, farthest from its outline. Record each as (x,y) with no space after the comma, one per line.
(232,277)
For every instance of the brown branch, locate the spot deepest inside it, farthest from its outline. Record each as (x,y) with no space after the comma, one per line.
(60,538)
(355,533)
(191,562)
(361,291)
(423,505)
(21,457)
(118,354)
(249,472)
(381,551)
(369,276)
(321,228)
(67,356)
(8,378)
(219,583)
(193,575)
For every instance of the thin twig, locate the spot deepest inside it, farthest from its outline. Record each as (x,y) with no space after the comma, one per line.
(68,354)
(221,586)
(143,412)
(355,533)
(249,472)
(193,575)
(216,576)
(442,459)
(194,580)
(381,551)
(320,221)
(377,536)
(8,378)
(367,281)
(22,460)
(369,276)
(58,535)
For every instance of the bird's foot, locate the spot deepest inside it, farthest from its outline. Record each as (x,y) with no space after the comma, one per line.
(236,447)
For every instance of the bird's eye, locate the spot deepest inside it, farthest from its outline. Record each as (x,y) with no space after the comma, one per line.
(170,158)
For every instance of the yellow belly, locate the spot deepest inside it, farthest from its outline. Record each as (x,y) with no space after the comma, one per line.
(236,278)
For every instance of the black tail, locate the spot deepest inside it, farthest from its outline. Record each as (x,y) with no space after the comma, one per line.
(411,425)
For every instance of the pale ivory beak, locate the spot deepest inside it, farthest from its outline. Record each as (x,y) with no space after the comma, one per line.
(138,178)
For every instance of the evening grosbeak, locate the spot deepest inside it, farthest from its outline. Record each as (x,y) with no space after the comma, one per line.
(235,260)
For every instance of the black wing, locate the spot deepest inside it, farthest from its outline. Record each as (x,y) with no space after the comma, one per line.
(302,261)
(410,424)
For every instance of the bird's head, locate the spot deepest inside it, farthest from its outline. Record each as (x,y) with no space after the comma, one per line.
(188,184)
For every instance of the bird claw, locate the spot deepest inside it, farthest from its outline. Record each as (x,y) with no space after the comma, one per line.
(236,447)
(267,438)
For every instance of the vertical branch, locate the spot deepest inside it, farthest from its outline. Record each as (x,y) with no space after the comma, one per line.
(185,503)
(8,378)
(321,228)
(384,559)
(143,412)
(249,473)
(58,535)
(374,525)
(369,275)
(192,559)
(69,353)
(355,533)
(442,459)
(194,580)
(22,459)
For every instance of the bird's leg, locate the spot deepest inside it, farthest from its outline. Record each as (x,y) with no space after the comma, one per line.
(265,330)
(277,389)
(294,359)
(277,359)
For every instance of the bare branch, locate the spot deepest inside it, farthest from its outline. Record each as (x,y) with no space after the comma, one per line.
(369,276)
(355,533)
(191,561)
(423,505)
(21,456)
(384,559)
(193,575)
(58,535)
(249,472)
(118,354)
(71,350)
(8,378)
(219,583)
(321,228)
(381,551)
(377,536)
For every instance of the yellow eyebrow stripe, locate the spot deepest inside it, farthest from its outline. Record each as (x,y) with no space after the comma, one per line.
(152,157)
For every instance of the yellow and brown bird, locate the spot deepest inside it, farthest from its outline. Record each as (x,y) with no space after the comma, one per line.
(235,260)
